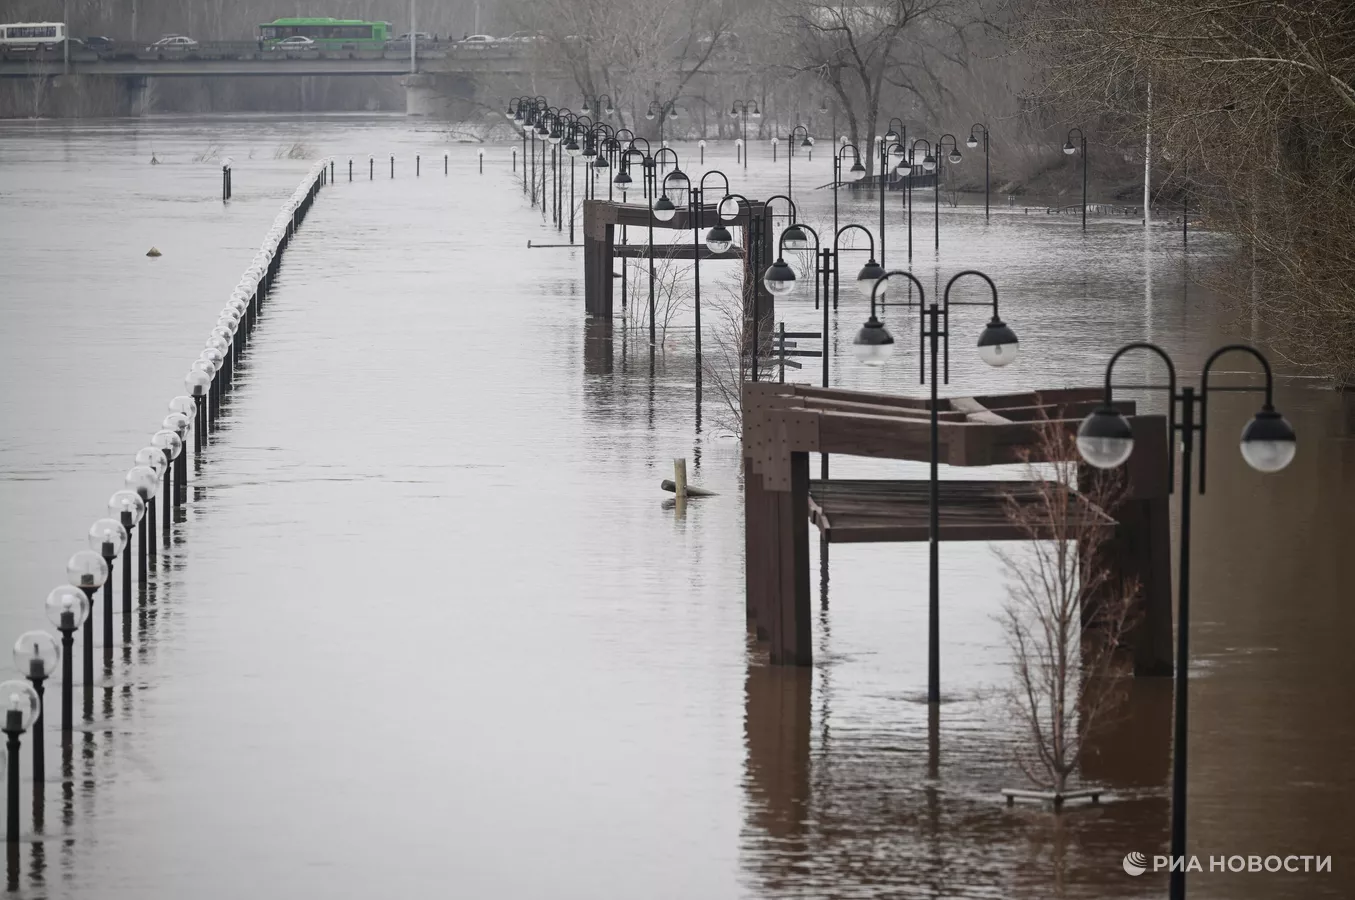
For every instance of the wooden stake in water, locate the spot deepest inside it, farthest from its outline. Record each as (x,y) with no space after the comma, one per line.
(680,485)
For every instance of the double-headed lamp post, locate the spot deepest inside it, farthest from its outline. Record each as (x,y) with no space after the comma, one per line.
(973,141)
(954,158)
(665,110)
(1268,444)
(997,346)
(806,142)
(745,108)
(1069,148)
(928,165)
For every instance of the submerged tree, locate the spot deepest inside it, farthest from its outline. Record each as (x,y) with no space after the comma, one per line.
(1065,614)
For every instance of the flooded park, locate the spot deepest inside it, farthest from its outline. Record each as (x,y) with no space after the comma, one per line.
(425,623)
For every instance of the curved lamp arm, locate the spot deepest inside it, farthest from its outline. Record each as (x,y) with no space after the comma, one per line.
(1204,393)
(837,238)
(781,241)
(1171,395)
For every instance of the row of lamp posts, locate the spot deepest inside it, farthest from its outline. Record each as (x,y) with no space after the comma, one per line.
(1105,438)
(159,474)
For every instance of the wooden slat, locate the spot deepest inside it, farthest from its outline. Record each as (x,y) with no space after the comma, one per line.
(857,511)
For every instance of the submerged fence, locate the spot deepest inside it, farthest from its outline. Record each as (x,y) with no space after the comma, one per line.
(155,492)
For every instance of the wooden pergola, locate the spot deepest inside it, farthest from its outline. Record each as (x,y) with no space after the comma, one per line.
(602,218)
(784,423)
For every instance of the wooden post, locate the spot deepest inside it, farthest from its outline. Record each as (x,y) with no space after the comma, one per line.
(1141,546)
(680,486)
(791,645)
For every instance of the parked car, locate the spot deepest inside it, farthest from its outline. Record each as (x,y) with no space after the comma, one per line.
(418,36)
(295,42)
(479,41)
(173,42)
(523,37)
(98,42)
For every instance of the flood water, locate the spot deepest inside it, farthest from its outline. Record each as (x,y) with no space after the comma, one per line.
(426,628)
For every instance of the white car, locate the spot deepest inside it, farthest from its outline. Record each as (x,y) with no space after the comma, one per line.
(173,42)
(480,40)
(295,42)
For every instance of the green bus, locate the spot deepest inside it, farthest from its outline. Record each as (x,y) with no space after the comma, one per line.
(327,32)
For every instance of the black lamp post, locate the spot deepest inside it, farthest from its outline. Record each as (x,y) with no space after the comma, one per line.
(1268,444)
(928,165)
(855,172)
(128,508)
(596,105)
(21,709)
(729,209)
(745,108)
(67,609)
(108,537)
(36,655)
(718,240)
(805,141)
(1070,148)
(780,277)
(87,571)
(573,149)
(973,141)
(997,347)
(953,158)
(665,110)
(892,150)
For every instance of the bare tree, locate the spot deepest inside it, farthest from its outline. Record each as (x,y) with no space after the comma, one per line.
(635,51)
(724,364)
(866,54)
(1253,105)
(1064,616)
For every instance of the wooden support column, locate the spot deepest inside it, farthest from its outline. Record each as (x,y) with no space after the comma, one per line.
(1141,546)
(599,236)
(791,635)
(757,533)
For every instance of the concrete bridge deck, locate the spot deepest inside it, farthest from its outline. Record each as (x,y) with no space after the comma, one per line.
(243,58)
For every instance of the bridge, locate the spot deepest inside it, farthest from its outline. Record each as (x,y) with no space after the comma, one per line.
(246,58)
(442,71)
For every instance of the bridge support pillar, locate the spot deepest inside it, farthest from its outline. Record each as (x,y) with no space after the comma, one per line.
(422,97)
(134,96)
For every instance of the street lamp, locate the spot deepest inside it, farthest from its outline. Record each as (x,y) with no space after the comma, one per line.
(953,158)
(855,172)
(171,445)
(127,508)
(805,141)
(665,110)
(67,609)
(744,109)
(1069,148)
(997,346)
(973,141)
(145,481)
(891,157)
(87,570)
(36,655)
(1106,440)
(718,241)
(152,458)
(107,537)
(22,707)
